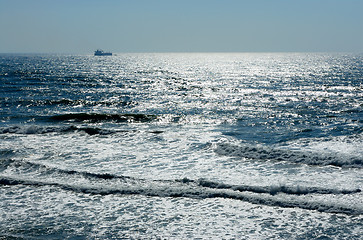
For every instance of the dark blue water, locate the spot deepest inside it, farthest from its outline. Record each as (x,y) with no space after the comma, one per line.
(181,146)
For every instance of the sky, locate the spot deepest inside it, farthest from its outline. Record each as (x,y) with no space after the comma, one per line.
(82,26)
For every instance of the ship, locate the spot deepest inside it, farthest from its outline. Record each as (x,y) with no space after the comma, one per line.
(100,52)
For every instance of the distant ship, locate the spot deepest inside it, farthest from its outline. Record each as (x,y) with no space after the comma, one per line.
(100,52)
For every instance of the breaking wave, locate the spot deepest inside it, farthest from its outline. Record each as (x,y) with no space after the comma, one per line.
(107,184)
(190,191)
(272,190)
(260,152)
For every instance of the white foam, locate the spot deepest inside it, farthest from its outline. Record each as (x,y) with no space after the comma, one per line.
(303,156)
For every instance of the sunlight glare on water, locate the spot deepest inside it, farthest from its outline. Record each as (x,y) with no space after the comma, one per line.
(224,145)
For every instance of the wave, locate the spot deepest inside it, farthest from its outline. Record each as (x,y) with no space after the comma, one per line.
(260,152)
(51,170)
(6,152)
(189,192)
(273,190)
(108,184)
(99,117)
(66,102)
(33,129)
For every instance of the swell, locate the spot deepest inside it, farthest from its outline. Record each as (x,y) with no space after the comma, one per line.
(258,152)
(187,188)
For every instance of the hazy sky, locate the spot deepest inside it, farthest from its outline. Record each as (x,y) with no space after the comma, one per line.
(81,26)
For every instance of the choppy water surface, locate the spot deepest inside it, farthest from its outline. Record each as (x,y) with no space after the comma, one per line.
(245,146)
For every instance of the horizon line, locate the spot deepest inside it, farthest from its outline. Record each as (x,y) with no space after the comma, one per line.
(177,52)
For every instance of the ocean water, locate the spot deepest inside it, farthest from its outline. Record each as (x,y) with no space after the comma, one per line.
(181,146)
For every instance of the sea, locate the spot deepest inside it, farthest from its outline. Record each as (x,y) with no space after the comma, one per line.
(181,146)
